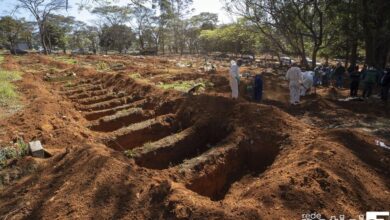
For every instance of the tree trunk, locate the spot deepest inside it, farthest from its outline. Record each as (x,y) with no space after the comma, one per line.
(314,58)
(346,58)
(354,55)
(42,35)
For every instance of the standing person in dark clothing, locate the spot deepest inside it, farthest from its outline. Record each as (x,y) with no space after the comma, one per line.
(364,69)
(339,74)
(355,78)
(258,88)
(351,69)
(325,75)
(385,83)
(370,78)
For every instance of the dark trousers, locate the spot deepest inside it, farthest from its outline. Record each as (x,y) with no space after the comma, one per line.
(258,88)
(354,88)
(385,93)
(339,81)
(368,89)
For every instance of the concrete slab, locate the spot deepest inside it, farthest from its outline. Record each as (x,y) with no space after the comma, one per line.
(36,149)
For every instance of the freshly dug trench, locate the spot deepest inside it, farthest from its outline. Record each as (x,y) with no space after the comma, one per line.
(174,149)
(143,103)
(83,90)
(213,176)
(121,119)
(110,103)
(87,81)
(80,87)
(141,133)
(88,94)
(101,98)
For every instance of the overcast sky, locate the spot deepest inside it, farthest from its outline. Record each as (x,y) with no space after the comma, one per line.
(214,6)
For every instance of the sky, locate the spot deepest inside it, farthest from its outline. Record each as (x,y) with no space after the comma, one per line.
(214,6)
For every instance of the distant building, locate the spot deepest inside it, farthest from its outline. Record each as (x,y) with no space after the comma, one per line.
(22,46)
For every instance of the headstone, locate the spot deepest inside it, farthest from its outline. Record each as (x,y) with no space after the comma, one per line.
(36,149)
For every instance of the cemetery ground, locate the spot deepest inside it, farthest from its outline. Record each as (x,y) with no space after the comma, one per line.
(124,139)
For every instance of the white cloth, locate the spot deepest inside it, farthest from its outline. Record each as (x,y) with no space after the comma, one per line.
(233,79)
(234,70)
(307,82)
(294,93)
(234,87)
(294,76)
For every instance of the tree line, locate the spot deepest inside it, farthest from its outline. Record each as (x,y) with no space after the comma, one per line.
(351,30)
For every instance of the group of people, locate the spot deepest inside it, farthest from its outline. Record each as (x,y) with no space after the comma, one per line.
(234,80)
(299,83)
(302,82)
(369,77)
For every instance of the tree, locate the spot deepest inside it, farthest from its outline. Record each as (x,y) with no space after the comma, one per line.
(143,19)
(116,37)
(294,26)
(58,31)
(195,25)
(236,38)
(41,10)
(171,23)
(12,31)
(112,14)
(375,20)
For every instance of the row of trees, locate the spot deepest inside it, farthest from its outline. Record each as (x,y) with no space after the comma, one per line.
(306,28)
(156,25)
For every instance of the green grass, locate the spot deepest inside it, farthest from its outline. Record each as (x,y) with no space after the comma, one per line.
(1,59)
(130,154)
(66,59)
(102,66)
(135,75)
(8,94)
(182,86)
(9,76)
(16,151)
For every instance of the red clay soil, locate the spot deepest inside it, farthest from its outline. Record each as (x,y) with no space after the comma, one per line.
(221,159)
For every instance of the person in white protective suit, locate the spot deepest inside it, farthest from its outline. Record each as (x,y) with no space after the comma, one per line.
(294,76)
(235,77)
(307,82)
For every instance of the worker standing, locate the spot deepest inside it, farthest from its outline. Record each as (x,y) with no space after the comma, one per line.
(369,78)
(339,74)
(294,76)
(234,78)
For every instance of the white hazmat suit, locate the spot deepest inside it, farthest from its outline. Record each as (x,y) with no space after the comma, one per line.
(233,79)
(307,82)
(294,76)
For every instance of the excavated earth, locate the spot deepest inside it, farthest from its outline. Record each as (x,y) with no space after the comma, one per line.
(122,148)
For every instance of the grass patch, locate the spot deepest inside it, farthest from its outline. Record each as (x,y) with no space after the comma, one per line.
(135,75)
(66,59)
(102,66)
(1,59)
(130,153)
(68,84)
(16,151)
(184,86)
(8,94)
(9,76)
